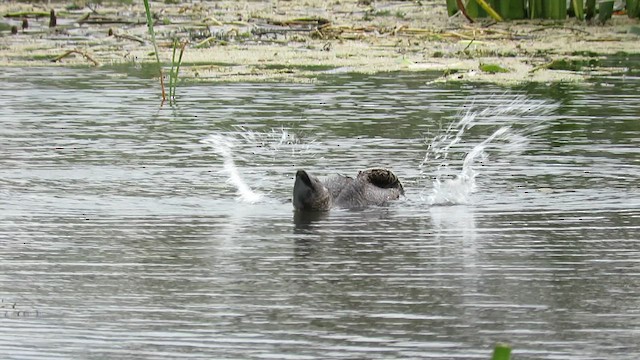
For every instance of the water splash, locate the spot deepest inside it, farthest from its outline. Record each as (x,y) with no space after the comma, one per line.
(223,145)
(281,145)
(511,121)
(274,142)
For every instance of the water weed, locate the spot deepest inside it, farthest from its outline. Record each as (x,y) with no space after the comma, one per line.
(175,69)
(147,10)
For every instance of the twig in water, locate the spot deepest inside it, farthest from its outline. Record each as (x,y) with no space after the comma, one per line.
(124,36)
(69,52)
(470,42)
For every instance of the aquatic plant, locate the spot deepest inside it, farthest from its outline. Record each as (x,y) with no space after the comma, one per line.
(605,10)
(152,33)
(577,7)
(516,9)
(538,9)
(492,68)
(590,9)
(175,69)
(486,7)
(633,8)
(501,352)
(175,61)
(554,9)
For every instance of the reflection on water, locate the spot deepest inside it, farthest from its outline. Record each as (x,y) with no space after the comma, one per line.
(121,236)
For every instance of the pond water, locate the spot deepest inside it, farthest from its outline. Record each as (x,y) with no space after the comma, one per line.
(133,231)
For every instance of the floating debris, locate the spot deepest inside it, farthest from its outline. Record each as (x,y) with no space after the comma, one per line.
(52,19)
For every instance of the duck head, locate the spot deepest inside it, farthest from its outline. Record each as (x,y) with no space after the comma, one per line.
(310,194)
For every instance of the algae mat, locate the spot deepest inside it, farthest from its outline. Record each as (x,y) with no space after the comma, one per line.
(300,40)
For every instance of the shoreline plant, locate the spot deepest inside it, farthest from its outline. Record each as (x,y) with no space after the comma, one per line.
(175,62)
(500,10)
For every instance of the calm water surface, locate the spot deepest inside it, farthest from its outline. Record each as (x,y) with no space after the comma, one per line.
(120,236)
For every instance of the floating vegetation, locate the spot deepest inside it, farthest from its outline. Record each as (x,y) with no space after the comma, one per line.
(11,309)
(70,52)
(493,68)
(118,35)
(257,40)
(23,14)
(573,64)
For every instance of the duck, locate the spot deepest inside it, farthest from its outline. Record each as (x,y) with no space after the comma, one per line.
(370,187)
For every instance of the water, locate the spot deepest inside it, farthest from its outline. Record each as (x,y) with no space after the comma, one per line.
(129,231)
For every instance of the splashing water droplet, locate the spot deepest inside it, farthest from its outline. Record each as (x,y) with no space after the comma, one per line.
(516,118)
(223,145)
(261,145)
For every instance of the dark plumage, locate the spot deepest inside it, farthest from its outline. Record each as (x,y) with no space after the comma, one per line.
(370,187)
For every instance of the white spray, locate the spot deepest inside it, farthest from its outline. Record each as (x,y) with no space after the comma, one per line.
(515,120)
(222,146)
(277,144)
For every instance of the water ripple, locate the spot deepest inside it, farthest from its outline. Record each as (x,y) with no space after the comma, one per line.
(121,236)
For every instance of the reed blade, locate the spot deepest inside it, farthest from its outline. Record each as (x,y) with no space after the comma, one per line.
(452,7)
(535,9)
(184,45)
(473,10)
(501,352)
(172,75)
(147,9)
(633,8)
(489,10)
(554,9)
(590,9)
(605,10)
(511,9)
(578,9)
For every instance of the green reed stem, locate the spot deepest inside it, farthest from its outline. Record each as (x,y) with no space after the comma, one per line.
(452,7)
(555,9)
(633,8)
(489,10)
(172,74)
(605,10)
(184,45)
(535,9)
(150,28)
(511,9)
(501,352)
(147,9)
(578,8)
(175,69)
(590,9)
(474,10)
